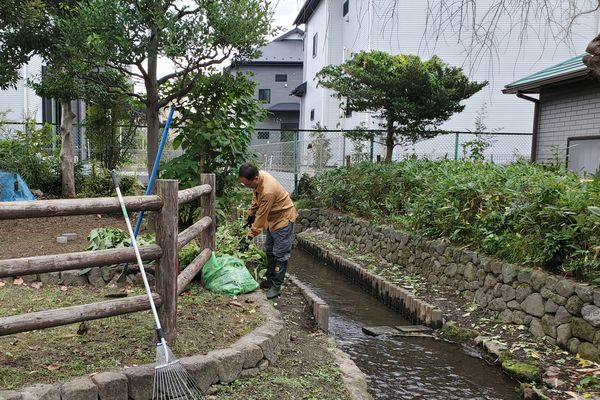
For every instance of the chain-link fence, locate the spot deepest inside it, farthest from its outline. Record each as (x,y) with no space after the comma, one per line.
(313,151)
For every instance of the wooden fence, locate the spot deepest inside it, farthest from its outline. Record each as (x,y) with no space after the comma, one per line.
(168,242)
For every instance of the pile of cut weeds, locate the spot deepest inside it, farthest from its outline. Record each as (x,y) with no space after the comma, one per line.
(205,321)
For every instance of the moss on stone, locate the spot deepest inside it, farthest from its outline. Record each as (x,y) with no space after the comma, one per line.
(522,371)
(457,333)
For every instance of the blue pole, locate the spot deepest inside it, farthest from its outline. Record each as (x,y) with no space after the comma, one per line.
(154,172)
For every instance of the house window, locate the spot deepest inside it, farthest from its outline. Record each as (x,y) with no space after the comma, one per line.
(583,154)
(265,95)
(312,114)
(345,8)
(314,44)
(280,77)
(263,135)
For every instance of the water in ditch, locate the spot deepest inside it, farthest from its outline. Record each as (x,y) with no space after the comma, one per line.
(397,367)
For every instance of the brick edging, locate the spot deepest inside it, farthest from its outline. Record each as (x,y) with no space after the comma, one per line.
(398,298)
(320,309)
(248,356)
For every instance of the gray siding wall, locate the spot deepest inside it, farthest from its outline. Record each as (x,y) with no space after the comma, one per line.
(280,93)
(571,110)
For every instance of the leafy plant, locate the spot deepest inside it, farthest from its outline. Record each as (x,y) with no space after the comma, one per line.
(114,238)
(228,239)
(520,212)
(100,184)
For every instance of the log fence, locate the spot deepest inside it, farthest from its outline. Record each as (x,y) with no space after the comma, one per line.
(168,242)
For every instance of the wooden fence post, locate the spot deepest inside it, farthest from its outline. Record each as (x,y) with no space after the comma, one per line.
(207,202)
(167,269)
(348,161)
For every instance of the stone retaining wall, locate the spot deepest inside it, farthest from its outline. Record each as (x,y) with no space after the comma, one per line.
(247,357)
(554,308)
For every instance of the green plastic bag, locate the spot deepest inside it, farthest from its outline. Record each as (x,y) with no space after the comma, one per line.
(227,275)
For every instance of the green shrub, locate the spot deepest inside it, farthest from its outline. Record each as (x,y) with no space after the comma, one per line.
(520,212)
(100,184)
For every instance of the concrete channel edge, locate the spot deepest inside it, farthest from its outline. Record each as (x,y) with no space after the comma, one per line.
(354,379)
(416,310)
(248,356)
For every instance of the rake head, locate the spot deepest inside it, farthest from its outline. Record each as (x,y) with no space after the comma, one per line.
(171,380)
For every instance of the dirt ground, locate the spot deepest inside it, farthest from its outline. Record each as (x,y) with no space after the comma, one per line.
(305,369)
(37,236)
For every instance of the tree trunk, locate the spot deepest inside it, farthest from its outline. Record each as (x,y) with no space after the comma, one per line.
(389,140)
(152,120)
(67,156)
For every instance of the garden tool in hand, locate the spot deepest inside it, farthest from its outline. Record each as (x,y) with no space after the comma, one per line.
(171,380)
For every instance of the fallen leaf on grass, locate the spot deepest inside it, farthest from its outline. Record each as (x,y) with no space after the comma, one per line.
(64,288)
(53,367)
(36,285)
(18,282)
(235,303)
(2,283)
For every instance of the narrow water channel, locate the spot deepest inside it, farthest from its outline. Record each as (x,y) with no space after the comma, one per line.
(397,367)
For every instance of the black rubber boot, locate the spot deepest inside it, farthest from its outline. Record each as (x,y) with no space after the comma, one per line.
(271,265)
(275,290)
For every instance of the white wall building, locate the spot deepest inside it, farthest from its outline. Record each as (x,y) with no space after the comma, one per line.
(335,29)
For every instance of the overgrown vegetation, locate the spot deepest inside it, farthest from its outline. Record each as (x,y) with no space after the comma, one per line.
(29,153)
(521,212)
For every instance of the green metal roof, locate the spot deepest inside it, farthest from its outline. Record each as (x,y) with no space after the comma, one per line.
(568,69)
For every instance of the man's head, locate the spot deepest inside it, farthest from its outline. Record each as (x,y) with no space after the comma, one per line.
(249,175)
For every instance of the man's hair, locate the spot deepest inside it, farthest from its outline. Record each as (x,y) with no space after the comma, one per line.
(248,171)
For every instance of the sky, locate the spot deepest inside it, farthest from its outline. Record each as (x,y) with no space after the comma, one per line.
(285,11)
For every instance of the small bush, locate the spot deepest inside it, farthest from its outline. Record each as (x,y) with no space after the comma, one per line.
(521,212)
(99,184)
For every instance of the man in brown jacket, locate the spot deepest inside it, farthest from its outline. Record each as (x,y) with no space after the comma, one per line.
(271,209)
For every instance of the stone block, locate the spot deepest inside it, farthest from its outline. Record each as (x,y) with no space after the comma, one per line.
(585,292)
(535,328)
(509,273)
(564,287)
(563,335)
(252,352)
(562,316)
(582,330)
(72,278)
(111,385)
(203,369)
(574,305)
(380,330)
(50,278)
(229,363)
(534,305)
(41,392)
(538,279)
(140,381)
(10,395)
(549,325)
(551,306)
(522,291)
(79,389)
(591,314)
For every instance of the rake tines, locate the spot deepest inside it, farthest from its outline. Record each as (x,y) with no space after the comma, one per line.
(171,380)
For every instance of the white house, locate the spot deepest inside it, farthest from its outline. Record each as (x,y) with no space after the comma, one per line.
(21,103)
(335,29)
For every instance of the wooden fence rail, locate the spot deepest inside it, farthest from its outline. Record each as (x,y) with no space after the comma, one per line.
(169,242)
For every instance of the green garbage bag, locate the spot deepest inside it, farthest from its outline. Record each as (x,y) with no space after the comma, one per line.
(227,275)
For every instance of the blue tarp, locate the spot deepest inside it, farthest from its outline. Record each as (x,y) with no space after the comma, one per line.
(13,187)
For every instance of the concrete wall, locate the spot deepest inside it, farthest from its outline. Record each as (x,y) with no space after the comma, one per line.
(567,111)
(551,307)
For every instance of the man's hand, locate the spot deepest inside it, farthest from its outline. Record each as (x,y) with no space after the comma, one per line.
(250,220)
(245,243)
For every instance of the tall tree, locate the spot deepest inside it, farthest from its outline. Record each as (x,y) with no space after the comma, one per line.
(32,28)
(412,97)
(216,123)
(130,36)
